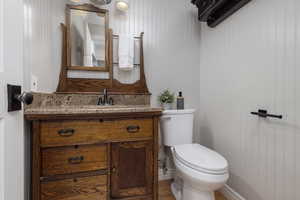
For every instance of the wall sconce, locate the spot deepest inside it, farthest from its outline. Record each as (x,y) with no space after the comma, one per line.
(122,5)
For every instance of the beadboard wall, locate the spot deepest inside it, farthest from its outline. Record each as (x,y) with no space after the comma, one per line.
(42,42)
(248,62)
(172,37)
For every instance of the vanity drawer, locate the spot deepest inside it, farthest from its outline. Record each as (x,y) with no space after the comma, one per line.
(91,188)
(75,159)
(93,131)
(126,130)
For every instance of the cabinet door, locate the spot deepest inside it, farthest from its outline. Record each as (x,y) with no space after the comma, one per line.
(132,169)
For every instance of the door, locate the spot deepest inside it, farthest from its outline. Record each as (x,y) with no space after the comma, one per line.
(11,124)
(132,169)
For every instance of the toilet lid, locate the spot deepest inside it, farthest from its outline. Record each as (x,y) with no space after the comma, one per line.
(201,158)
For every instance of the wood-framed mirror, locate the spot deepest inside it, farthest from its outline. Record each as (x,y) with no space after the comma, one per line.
(87,35)
(94,79)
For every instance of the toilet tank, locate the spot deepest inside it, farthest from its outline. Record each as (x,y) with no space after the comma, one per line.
(177,127)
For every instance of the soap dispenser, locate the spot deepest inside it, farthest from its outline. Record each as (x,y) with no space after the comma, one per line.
(180,102)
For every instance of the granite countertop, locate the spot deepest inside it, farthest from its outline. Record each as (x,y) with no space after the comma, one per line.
(89,109)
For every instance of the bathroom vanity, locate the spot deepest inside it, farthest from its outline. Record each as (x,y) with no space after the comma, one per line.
(83,148)
(94,153)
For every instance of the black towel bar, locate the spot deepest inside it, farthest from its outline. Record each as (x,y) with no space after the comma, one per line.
(264,114)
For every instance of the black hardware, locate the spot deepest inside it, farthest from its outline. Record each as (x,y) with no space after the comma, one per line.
(25,97)
(76,160)
(66,132)
(205,7)
(16,98)
(100,101)
(264,114)
(111,101)
(106,100)
(225,11)
(216,11)
(133,129)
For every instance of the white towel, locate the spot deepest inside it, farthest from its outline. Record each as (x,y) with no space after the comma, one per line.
(126,52)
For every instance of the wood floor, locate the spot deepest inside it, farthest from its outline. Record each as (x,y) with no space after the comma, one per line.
(165,192)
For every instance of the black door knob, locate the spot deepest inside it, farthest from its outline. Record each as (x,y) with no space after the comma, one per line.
(25,97)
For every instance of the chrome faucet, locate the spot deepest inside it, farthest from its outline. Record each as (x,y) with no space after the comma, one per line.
(106,100)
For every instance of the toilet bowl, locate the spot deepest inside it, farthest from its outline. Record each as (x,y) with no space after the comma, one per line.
(201,169)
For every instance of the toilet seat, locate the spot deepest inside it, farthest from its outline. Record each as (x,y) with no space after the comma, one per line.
(201,159)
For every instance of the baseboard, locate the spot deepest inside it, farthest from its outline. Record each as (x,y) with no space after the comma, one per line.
(230,194)
(169,174)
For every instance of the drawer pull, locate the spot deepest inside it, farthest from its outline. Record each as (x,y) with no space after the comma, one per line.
(76,160)
(66,132)
(133,129)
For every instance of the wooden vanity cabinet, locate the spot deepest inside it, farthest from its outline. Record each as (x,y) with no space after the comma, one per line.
(96,157)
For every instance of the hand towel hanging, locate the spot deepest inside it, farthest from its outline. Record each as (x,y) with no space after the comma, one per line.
(126,52)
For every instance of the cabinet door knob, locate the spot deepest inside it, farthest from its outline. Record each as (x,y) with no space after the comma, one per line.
(113,170)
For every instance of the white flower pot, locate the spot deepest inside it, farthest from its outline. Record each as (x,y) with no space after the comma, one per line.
(167,106)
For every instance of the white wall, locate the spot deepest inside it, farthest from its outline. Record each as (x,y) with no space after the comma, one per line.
(248,62)
(42,41)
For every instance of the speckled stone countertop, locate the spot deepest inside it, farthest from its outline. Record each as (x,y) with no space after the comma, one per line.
(89,109)
(60,106)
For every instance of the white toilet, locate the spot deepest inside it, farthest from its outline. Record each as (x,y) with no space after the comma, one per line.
(201,170)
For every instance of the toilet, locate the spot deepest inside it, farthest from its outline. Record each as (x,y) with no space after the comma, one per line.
(199,170)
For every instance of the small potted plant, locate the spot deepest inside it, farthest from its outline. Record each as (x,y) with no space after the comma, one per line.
(166,99)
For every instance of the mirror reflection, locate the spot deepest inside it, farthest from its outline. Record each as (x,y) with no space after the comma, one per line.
(88,43)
